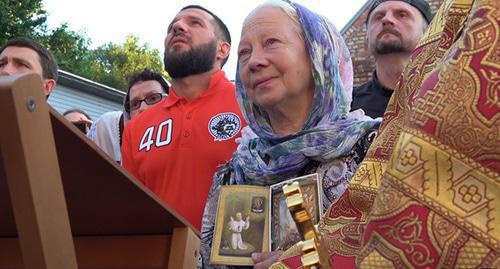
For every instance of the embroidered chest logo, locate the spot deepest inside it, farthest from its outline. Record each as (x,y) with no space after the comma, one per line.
(224,126)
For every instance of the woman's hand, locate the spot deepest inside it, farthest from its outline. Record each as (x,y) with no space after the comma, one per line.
(263,260)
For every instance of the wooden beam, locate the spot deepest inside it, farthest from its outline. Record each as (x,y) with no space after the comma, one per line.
(98,252)
(184,249)
(33,177)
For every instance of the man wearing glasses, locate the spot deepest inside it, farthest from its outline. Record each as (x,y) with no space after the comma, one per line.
(145,89)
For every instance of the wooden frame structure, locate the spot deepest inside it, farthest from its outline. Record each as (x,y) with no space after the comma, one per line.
(65,204)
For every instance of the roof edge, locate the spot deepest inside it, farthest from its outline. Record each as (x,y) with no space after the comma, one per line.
(88,86)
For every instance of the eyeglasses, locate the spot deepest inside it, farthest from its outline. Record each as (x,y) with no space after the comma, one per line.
(149,100)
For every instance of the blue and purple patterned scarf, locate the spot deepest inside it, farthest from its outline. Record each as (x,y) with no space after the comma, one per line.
(329,132)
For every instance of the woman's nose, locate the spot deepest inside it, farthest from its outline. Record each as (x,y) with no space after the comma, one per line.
(257,60)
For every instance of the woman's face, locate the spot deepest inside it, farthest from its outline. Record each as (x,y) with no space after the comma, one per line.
(274,65)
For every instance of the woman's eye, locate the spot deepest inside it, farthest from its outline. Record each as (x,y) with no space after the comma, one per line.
(243,52)
(271,41)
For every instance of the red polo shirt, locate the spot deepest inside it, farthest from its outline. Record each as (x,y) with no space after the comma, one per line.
(175,147)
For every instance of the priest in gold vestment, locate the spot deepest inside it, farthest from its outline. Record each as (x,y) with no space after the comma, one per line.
(427,194)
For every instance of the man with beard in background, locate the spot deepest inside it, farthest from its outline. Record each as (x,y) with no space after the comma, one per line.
(393,31)
(175,146)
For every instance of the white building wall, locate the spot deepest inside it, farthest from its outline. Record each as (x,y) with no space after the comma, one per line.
(64,98)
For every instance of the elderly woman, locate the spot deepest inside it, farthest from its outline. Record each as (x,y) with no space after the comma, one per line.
(294,86)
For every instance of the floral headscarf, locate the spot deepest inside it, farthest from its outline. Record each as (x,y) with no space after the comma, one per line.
(330,130)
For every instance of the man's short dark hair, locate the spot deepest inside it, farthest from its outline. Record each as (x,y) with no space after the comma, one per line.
(145,75)
(47,60)
(76,110)
(222,31)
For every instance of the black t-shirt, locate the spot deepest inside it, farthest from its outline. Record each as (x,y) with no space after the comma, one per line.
(372,97)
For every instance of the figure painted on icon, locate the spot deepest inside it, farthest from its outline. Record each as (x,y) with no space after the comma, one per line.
(237,226)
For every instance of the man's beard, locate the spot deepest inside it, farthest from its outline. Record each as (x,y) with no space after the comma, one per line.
(195,61)
(392,46)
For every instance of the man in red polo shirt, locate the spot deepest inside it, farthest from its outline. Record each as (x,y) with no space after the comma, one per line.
(174,147)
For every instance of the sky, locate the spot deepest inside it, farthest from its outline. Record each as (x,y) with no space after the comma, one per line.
(112,20)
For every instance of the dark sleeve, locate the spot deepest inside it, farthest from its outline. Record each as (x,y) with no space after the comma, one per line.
(361,95)
(363,144)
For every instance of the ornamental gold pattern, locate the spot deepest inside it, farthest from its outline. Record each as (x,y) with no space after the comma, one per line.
(446,160)
(428,192)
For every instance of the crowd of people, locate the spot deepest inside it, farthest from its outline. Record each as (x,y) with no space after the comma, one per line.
(409,160)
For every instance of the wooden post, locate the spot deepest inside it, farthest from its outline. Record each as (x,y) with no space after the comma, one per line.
(33,176)
(184,249)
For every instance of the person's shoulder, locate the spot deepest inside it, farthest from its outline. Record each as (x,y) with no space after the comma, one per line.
(110,116)
(226,96)
(362,95)
(227,85)
(362,89)
(107,120)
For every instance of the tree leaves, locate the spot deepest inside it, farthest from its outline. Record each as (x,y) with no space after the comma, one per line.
(109,64)
(21,18)
(117,61)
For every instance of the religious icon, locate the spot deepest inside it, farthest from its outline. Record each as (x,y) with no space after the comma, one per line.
(283,230)
(241,226)
(258,204)
(256,219)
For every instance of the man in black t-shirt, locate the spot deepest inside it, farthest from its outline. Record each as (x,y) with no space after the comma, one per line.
(393,31)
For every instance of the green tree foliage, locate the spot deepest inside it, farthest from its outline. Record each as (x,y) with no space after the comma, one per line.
(109,64)
(71,49)
(115,62)
(21,18)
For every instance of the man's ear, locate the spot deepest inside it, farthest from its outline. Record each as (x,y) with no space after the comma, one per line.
(49,85)
(223,51)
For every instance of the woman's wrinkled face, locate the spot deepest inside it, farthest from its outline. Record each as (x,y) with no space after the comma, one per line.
(274,65)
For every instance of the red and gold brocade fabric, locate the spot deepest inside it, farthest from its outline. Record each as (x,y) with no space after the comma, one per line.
(428,193)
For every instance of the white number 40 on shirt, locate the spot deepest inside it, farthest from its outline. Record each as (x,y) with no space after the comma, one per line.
(161,140)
